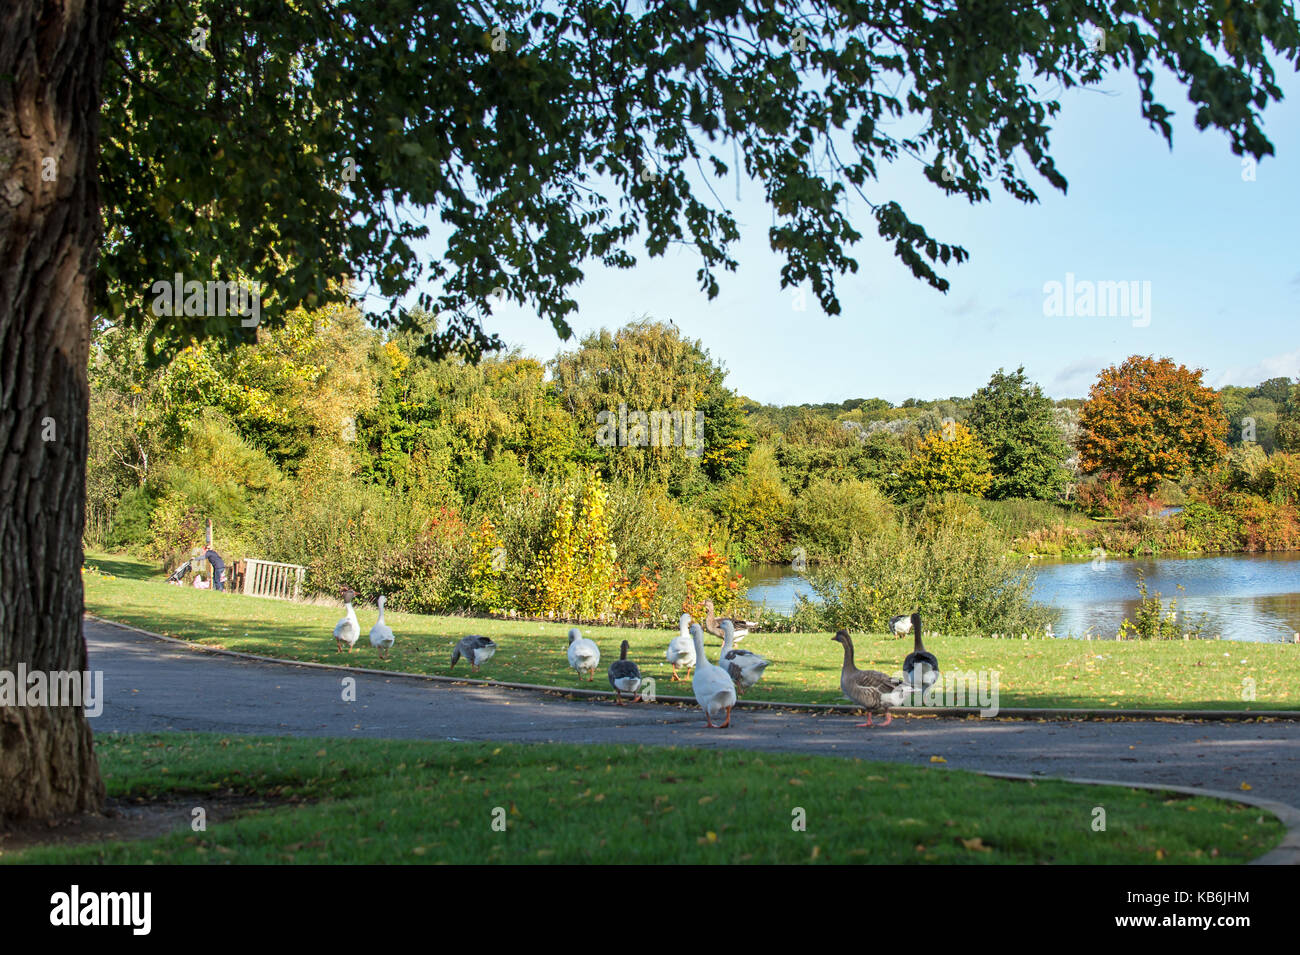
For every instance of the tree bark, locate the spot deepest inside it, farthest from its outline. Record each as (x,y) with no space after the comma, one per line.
(52,57)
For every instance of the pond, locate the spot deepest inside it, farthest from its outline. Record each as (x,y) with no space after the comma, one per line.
(1241,596)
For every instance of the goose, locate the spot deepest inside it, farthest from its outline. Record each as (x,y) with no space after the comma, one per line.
(381,634)
(901,625)
(714,625)
(477,650)
(347,630)
(921,668)
(870,689)
(744,666)
(714,690)
(624,677)
(584,655)
(681,649)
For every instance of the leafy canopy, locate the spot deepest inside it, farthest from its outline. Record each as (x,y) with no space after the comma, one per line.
(949,460)
(1016,422)
(1149,421)
(304,145)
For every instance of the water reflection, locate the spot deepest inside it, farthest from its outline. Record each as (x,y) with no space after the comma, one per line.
(1240,597)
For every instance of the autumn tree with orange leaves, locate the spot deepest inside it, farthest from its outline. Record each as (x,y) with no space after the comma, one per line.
(1149,421)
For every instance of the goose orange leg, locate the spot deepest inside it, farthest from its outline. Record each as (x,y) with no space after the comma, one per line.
(728,722)
(676,678)
(889,718)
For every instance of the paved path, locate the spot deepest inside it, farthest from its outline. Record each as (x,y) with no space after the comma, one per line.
(154,686)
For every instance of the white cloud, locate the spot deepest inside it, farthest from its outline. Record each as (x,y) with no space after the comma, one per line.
(1285,365)
(1074,380)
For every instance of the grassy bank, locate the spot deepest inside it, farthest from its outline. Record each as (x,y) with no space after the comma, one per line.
(805,668)
(363,801)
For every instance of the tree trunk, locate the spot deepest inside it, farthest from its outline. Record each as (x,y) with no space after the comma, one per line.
(52,57)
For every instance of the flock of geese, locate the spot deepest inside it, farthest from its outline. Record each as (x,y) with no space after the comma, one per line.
(716,685)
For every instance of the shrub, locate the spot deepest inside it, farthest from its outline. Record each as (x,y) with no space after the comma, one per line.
(756,509)
(1104,496)
(956,570)
(1209,528)
(1284,474)
(948,459)
(131,517)
(829,513)
(1154,621)
(216,475)
(573,574)
(347,533)
(1265,526)
(485,572)
(1055,541)
(711,578)
(1017,517)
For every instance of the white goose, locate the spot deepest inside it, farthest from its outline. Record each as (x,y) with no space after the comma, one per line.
(745,667)
(381,634)
(584,655)
(348,630)
(681,649)
(713,688)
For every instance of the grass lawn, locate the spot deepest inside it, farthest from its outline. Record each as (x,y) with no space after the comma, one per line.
(364,801)
(1196,674)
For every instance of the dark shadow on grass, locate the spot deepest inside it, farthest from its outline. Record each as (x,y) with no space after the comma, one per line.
(124,566)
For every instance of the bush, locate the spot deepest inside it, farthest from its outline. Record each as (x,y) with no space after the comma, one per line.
(1154,621)
(948,562)
(430,573)
(1107,496)
(130,524)
(1284,476)
(216,475)
(1209,528)
(1265,526)
(357,535)
(828,514)
(1017,517)
(1055,541)
(948,459)
(756,509)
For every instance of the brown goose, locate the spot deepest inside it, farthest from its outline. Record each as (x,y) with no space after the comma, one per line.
(714,625)
(870,689)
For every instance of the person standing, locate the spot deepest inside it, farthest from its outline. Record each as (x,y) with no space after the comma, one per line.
(218,566)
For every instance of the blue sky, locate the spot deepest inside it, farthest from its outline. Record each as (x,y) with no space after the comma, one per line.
(1220,253)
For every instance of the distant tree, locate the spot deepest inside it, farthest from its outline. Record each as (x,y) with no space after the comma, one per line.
(1151,420)
(727,437)
(756,508)
(619,386)
(1276,390)
(1017,423)
(950,459)
(1287,432)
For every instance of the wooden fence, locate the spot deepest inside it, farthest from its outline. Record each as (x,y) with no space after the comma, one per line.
(266,578)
